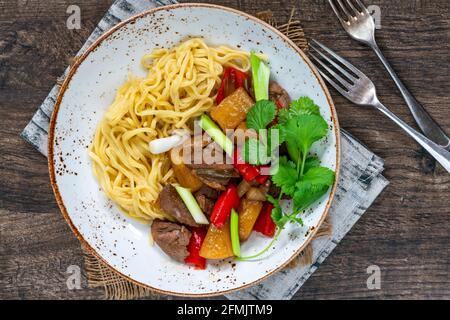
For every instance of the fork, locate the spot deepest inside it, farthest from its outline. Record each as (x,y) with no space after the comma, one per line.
(359,89)
(359,24)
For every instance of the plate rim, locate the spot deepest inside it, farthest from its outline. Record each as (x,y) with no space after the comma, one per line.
(78,60)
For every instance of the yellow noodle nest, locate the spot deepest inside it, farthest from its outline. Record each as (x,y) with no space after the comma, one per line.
(181,84)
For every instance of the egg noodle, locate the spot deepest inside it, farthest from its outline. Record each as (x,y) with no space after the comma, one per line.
(181,84)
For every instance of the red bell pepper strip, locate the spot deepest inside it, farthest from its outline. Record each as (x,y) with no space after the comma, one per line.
(264,224)
(279,107)
(229,199)
(247,171)
(221,92)
(239,78)
(195,243)
(232,79)
(262,179)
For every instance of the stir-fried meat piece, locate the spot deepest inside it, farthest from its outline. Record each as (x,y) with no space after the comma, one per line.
(172,238)
(215,176)
(277,93)
(171,203)
(220,171)
(205,204)
(206,198)
(218,184)
(214,170)
(208,192)
(256,194)
(274,191)
(243,187)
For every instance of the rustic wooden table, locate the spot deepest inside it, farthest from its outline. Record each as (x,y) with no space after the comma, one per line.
(406,232)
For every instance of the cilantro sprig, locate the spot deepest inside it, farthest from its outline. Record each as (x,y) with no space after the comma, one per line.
(303,105)
(300,176)
(258,152)
(261,114)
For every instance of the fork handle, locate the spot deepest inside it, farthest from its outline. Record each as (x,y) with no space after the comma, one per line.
(439,153)
(426,123)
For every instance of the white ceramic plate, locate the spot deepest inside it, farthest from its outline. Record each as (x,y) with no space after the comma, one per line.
(90,88)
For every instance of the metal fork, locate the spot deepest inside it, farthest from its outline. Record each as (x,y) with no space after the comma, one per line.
(359,89)
(359,24)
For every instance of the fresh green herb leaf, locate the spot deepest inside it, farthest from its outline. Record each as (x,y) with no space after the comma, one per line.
(284,219)
(311,162)
(302,179)
(272,139)
(285,176)
(278,127)
(283,115)
(303,105)
(255,152)
(272,200)
(292,149)
(278,217)
(303,130)
(312,185)
(291,118)
(260,77)
(261,114)
(277,212)
(297,220)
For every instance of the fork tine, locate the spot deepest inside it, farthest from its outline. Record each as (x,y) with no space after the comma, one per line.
(356,12)
(341,80)
(363,7)
(351,67)
(334,64)
(334,84)
(344,8)
(338,14)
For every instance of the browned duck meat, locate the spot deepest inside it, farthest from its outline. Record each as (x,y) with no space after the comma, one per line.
(277,93)
(172,238)
(213,170)
(208,192)
(205,204)
(215,176)
(274,191)
(171,203)
(206,198)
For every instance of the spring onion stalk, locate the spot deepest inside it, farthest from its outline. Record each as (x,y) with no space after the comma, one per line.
(261,76)
(234,232)
(192,205)
(163,145)
(216,134)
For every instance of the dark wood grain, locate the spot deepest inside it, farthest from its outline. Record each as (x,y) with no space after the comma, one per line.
(406,232)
